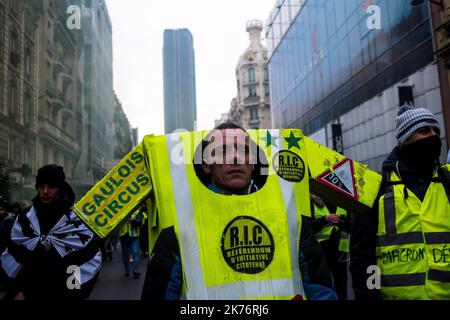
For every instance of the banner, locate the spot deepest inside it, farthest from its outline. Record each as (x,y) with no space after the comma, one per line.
(116,195)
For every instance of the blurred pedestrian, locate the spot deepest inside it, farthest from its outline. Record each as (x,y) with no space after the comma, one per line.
(6,222)
(143,238)
(331,226)
(129,240)
(51,255)
(15,208)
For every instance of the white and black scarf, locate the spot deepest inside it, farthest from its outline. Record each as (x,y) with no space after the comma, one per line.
(68,235)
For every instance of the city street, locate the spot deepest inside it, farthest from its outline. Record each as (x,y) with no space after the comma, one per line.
(113,285)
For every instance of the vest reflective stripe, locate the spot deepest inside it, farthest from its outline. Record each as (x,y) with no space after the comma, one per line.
(414,279)
(186,228)
(287,190)
(399,280)
(240,290)
(415,263)
(438,275)
(437,237)
(400,238)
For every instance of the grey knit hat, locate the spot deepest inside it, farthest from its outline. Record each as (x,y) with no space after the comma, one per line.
(410,119)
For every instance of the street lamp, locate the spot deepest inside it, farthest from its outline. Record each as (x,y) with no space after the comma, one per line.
(419,2)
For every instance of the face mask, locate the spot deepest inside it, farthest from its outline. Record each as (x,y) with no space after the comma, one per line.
(422,152)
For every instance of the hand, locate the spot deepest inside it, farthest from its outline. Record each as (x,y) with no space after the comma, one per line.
(20,296)
(333,218)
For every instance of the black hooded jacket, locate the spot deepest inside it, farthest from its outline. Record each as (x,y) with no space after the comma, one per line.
(416,178)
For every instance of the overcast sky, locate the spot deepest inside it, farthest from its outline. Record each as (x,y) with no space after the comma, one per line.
(218,28)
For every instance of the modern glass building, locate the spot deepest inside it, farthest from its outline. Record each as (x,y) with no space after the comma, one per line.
(334,64)
(180,110)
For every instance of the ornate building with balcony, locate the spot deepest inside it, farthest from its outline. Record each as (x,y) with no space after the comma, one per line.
(60,100)
(251,107)
(18,93)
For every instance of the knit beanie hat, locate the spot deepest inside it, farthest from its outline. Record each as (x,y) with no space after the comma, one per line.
(410,119)
(51,174)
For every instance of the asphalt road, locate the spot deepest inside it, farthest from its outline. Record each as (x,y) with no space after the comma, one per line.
(113,285)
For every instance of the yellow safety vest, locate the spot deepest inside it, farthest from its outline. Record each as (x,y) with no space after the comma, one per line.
(236,246)
(324,233)
(129,229)
(413,243)
(344,237)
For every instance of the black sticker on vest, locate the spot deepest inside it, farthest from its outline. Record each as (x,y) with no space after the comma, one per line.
(247,245)
(289,166)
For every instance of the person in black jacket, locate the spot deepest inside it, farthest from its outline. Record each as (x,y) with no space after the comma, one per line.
(6,222)
(51,254)
(414,161)
(336,225)
(164,277)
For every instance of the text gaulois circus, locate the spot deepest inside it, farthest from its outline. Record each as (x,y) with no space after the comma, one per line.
(113,188)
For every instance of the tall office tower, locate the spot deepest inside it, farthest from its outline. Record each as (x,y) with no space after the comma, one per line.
(180,111)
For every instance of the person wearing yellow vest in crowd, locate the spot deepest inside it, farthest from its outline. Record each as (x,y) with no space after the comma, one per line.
(129,240)
(332,231)
(164,278)
(407,234)
(143,238)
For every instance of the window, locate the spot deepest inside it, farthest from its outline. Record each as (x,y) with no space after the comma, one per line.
(14,49)
(252,91)
(266,90)
(28,111)
(1,29)
(405,95)
(14,42)
(266,74)
(12,96)
(253,114)
(28,63)
(251,74)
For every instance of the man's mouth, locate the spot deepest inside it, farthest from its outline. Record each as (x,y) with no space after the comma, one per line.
(235,172)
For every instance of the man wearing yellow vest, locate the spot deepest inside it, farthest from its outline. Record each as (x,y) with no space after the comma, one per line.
(164,278)
(129,240)
(399,250)
(331,226)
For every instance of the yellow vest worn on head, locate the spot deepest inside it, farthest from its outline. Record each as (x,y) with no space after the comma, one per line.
(413,243)
(236,246)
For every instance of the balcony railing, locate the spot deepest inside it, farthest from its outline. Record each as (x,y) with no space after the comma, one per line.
(47,128)
(254,99)
(254,121)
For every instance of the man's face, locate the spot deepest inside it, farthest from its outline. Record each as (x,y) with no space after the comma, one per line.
(422,133)
(233,174)
(48,193)
(2,211)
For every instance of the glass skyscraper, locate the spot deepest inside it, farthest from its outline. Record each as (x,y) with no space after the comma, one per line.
(180,110)
(330,66)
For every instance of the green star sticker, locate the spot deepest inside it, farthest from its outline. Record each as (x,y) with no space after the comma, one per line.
(293,141)
(269,140)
